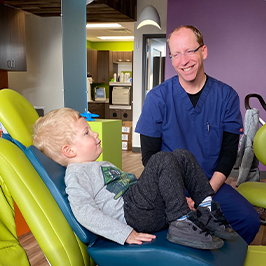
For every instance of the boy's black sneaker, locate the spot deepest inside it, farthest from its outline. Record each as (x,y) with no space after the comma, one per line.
(192,233)
(215,221)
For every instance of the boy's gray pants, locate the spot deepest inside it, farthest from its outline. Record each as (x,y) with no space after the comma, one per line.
(159,195)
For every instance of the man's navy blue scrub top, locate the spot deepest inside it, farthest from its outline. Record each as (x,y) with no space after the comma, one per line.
(168,113)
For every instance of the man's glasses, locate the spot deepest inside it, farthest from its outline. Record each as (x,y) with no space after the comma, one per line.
(177,56)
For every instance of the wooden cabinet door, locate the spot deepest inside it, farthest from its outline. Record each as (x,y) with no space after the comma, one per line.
(18,37)
(118,56)
(115,55)
(13,39)
(92,63)
(104,66)
(5,38)
(106,110)
(97,108)
(128,56)
(121,56)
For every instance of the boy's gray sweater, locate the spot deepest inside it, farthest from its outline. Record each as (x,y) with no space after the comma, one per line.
(92,204)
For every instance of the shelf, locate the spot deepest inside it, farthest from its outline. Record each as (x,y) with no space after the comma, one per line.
(123,107)
(117,84)
(106,101)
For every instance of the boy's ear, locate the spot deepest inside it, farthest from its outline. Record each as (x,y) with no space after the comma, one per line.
(68,151)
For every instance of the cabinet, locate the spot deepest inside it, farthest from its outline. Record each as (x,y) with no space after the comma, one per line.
(123,114)
(105,67)
(13,39)
(92,63)
(121,56)
(100,65)
(101,109)
(103,64)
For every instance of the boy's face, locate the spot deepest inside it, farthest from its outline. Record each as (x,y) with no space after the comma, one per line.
(86,144)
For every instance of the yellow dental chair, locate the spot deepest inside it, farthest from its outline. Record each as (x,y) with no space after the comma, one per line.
(54,232)
(255,192)
(47,223)
(10,249)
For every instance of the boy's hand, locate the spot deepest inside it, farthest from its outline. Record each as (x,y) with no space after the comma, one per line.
(191,204)
(138,238)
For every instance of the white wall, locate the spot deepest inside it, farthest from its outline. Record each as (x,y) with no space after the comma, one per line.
(161,7)
(42,84)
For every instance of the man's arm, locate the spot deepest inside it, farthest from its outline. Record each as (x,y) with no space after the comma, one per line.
(227,160)
(217,181)
(149,146)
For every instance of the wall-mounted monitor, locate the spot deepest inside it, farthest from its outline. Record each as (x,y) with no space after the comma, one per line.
(100,94)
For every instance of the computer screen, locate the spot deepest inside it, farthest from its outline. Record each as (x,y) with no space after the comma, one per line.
(100,94)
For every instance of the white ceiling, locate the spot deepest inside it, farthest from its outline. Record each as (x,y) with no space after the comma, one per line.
(127,29)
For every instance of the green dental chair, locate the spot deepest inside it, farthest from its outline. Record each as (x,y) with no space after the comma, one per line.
(58,240)
(255,192)
(10,249)
(47,223)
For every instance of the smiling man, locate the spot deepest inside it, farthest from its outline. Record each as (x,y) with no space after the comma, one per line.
(188,62)
(196,112)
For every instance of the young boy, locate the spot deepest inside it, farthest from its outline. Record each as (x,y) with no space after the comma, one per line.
(116,205)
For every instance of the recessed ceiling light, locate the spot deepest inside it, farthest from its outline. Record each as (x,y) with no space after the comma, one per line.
(116,37)
(104,25)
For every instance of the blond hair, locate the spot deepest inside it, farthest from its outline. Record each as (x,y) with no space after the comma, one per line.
(195,30)
(54,130)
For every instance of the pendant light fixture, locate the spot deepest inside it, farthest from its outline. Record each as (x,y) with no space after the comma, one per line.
(149,16)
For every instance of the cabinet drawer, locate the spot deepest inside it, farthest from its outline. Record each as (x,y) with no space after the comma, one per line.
(115,114)
(97,108)
(124,115)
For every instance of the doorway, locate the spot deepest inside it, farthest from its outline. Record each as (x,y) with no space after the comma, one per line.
(154,51)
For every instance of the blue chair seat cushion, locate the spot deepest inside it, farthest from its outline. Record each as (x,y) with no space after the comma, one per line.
(162,252)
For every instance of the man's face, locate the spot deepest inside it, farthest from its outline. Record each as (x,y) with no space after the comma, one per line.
(188,65)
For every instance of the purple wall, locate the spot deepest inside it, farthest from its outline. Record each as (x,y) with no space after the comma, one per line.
(235,34)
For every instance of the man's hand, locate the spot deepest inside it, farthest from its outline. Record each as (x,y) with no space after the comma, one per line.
(138,238)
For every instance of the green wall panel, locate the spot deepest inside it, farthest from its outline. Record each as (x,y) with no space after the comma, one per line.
(111,46)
